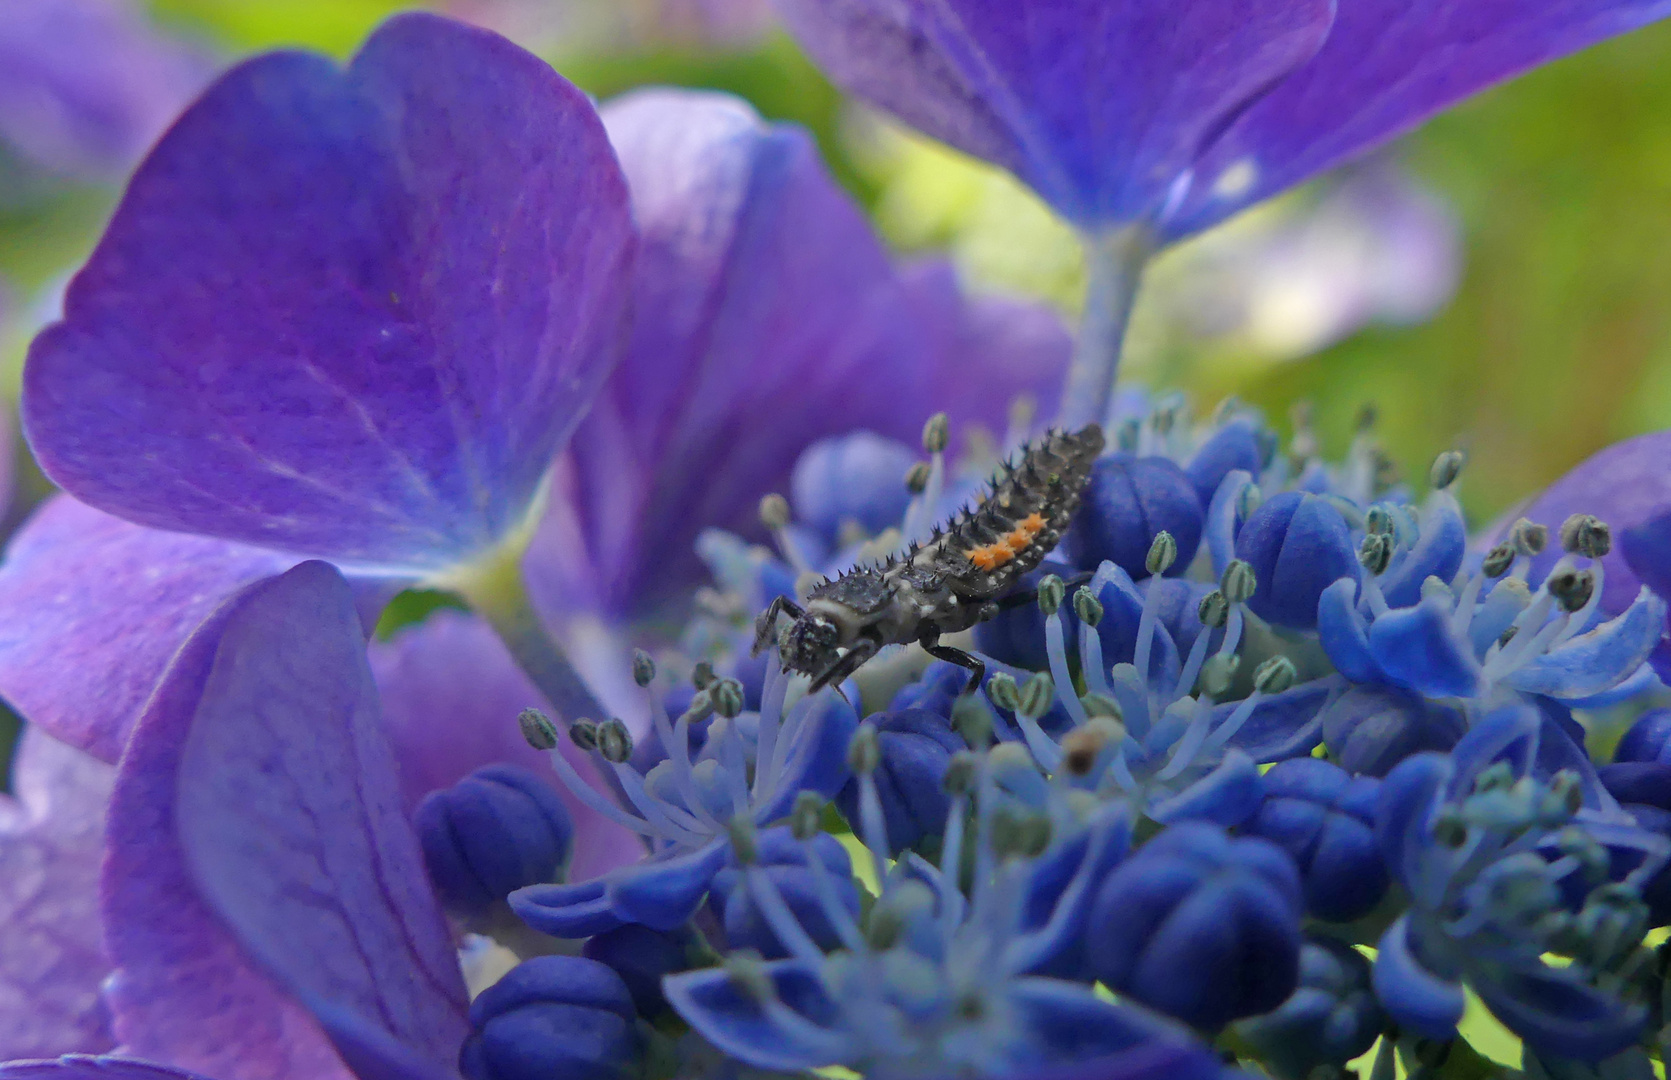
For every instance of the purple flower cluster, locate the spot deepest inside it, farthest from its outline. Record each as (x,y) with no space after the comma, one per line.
(433,321)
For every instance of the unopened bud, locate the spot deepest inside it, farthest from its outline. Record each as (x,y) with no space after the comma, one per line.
(1218,672)
(1378,520)
(702,675)
(1586,535)
(1036,695)
(584,734)
(774,511)
(1004,693)
(643,668)
(961,770)
(538,729)
(1163,552)
(1446,468)
(937,433)
(1274,675)
(1087,606)
(1528,537)
(1498,560)
(1238,582)
(727,697)
(1375,553)
(864,752)
(1571,589)
(614,742)
(1214,610)
(916,477)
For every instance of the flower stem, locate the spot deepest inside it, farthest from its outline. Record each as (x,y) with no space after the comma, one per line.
(1113,267)
(494,590)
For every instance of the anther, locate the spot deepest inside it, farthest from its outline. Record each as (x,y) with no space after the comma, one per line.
(936,433)
(1375,553)
(702,675)
(1586,535)
(1571,588)
(1036,695)
(1218,672)
(774,511)
(1498,560)
(727,697)
(745,843)
(643,668)
(1368,416)
(1250,500)
(1087,606)
(972,721)
(1446,468)
(614,742)
(1125,438)
(1213,610)
(1084,744)
(584,734)
(748,971)
(1449,829)
(960,773)
(1378,520)
(1004,693)
(1102,706)
(1163,552)
(1528,537)
(1239,581)
(916,477)
(1507,635)
(806,819)
(864,752)
(1274,675)
(538,729)
(1050,592)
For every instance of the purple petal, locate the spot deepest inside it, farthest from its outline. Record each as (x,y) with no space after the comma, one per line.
(86,85)
(291,824)
(348,313)
(80,1067)
(1625,485)
(451,695)
(1387,66)
(1598,660)
(183,990)
(768,317)
(51,962)
(1417,998)
(1099,107)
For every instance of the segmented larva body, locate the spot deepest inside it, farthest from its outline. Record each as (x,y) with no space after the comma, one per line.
(986,548)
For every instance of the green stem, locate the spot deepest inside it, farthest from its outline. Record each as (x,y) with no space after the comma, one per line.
(1113,267)
(494,590)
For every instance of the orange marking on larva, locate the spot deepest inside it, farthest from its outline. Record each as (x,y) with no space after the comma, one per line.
(1019,539)
(983,559)
(1033,523)
(993,555)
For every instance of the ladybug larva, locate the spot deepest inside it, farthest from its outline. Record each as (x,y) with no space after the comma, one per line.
(963,575)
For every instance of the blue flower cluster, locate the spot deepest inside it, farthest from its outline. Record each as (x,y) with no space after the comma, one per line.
(1266,761)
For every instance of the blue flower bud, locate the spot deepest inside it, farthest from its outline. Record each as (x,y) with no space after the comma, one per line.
(1236,445)
(784,859)
(1127,503)
(1370,729)
(916,746)
(1199,925)
(858,477)
(496,830)
(1325,819)
(1298,545)
(1332,1018)
(1649,739)
(641,956)
(553,1018)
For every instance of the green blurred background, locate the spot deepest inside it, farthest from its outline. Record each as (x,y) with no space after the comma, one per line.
(1556,342)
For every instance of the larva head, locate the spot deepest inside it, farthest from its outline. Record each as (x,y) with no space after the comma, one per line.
(810,644)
